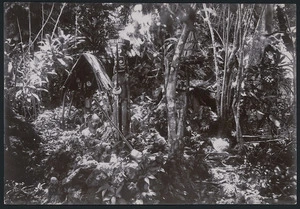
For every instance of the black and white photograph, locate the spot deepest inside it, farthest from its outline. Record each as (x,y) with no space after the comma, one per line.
(149,103)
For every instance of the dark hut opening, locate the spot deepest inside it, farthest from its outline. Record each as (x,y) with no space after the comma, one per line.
(87,75)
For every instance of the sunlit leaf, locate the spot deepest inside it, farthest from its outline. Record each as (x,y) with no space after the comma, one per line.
(31,87)
(68,58)
(62,62)
(275,121)
(42,89)
(36,96)
(18,93)
(113,200)
(103,192)
(171,39)
(147,180)
(106,199)
(52,73)
(151,177)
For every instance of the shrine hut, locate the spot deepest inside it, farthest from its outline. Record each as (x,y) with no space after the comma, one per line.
(86,76)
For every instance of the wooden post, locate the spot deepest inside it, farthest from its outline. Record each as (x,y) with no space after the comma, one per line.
(123,78)
(120,89)
(63,111)
(115,113)
(124,103)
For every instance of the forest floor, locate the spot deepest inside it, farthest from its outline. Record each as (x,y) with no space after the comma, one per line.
(76,166)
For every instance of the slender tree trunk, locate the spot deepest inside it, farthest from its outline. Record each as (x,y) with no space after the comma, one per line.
(236,105)
(43,20)
(181,112)
(236,96)
(229,75)
(240,77)
(221,110)
(29,30)
(237,101)
(116,98)
(215,58)
(124,100)
(173,136)
(226,24)
(20,32)
(76,25)
(57,21)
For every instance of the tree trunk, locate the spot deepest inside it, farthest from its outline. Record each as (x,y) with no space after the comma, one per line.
(269,18)
(181,113)
(240,77)
(215,58)
(124,100)
(173,136)
(223,106)
(236,105)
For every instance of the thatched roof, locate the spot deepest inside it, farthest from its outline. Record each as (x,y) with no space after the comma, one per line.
(88,69)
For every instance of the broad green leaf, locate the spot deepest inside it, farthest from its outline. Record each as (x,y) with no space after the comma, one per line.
(147,180)
(62,62)
(68,58)
(151,177)
(19,84)
(113,200)
(36,96)
(103,193)
(276,122)
(119,189)
(106,199)
(171,39)
(105,186)
(52,73)
(42,89)
(31,87)
(18,93)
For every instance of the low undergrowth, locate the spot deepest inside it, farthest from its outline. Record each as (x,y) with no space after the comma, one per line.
(82,166)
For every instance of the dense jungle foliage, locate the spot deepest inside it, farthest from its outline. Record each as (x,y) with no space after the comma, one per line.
(210,104)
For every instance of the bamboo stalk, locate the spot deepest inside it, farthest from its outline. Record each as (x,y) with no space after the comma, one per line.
(215,56)
(239,77)
(29,26)
(16,69)
(224,85)
(76,26)
(61,10)
(20,32)
(43,20)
